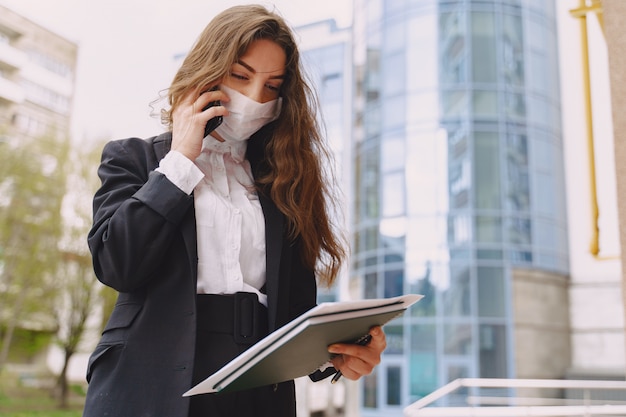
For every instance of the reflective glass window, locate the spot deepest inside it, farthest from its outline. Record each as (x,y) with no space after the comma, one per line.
(394,36)
(513,50)
(488,229)
(543,193)
(392,153)
(453,47)
(394,335)
(370,396)
(371,285)
(487,189)
(492,297)
(393,194)
(394,283)
(515,106)
(493,351)
(423,360)
(394,113)
(454,104)
(459,229)
(394,74)
(484,57)
(423,54)
(394,385)
(457,339)
(457,297)
(518,230)
(485,104)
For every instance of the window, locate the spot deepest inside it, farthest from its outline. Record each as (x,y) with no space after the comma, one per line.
(394,385)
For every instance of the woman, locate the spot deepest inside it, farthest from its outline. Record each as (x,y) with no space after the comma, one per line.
(190,228)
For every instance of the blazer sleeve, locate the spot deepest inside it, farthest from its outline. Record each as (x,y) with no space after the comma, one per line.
(136,213)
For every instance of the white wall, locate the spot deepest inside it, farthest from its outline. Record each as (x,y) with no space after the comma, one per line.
(596,307)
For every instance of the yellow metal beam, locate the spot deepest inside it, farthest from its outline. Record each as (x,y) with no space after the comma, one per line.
(585,8)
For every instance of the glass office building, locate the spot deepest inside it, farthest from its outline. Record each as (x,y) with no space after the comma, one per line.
(459,191)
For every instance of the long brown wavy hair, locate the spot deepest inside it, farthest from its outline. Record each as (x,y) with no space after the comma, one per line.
(300,176)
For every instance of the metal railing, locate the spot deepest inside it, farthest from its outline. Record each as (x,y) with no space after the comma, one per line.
(523,397)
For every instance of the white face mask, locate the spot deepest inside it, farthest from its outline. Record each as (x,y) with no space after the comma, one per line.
(246,115)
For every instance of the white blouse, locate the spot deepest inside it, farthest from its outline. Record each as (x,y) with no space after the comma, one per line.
(229,219)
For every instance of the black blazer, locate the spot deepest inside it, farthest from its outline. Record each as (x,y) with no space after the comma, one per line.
(143,243)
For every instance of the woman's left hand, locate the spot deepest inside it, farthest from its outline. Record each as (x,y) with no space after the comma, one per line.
(353,360)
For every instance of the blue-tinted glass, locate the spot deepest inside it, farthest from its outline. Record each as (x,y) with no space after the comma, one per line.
(370,397)
(393,153)
(459,229)
(394,36)
(513,50)
(394,113)
(394,78)
(493,254)
(487,190)
(393,194)
(394,385)
(454,104)
(457,339)
(488,229)
(493,351)
(427,305)
(515,106)
(492,297)
(394,335)
(453,48)
(394,283)
(518,230)
(484,54)
(457,297)
(371,285)
(485,104)
(423,360)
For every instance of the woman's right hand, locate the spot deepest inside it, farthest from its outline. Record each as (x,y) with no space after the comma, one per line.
(188,121)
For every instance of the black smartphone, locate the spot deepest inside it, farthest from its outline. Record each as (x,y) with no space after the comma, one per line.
(213,123)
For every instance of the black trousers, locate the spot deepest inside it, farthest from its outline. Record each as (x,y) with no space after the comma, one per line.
(227,326)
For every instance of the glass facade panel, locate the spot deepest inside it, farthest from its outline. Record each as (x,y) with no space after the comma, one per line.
(487,188)
(457,297)
(484,51)
(457,339)
(492,297)
(423,360)
(394,283)
(393,74)
(394,385)
(370,388)
(395,339)
(488,229)
(493,351)
(393,194)
(485,104)
(392,152)
(459,180)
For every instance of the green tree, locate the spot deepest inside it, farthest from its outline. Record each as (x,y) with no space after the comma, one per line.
(32,187)
(76,292)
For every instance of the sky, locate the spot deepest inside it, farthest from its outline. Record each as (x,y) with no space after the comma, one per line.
(127,49)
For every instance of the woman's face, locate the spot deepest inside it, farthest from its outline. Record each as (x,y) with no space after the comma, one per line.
(259,72)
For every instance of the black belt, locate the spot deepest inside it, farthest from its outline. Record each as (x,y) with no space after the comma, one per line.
(240,314)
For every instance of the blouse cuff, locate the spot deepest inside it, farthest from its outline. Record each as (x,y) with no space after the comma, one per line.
(181,171)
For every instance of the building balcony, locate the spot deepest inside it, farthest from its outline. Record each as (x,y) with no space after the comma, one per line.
(10,91)
(11,58)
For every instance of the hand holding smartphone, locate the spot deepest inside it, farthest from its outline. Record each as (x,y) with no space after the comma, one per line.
(213,123)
